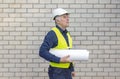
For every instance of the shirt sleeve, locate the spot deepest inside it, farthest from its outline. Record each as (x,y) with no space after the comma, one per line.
(71,67)
(50,41)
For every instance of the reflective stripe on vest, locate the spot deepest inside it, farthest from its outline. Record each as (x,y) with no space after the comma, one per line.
(62,44)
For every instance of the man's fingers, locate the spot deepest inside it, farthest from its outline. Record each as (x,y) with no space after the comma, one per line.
(65,59)
(67,56)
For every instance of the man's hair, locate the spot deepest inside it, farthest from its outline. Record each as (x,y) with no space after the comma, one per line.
(57,19)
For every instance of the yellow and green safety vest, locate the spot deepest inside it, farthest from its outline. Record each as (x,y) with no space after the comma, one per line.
(62,44)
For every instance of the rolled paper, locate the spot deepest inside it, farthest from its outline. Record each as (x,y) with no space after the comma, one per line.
(74,54)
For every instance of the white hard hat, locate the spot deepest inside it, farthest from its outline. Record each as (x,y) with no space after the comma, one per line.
(58,12)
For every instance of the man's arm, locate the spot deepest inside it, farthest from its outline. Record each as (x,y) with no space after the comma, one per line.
(50,41)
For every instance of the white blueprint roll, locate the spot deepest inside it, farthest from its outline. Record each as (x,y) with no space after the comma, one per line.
(74,54)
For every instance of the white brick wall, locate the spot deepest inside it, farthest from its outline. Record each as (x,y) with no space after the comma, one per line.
(94,25)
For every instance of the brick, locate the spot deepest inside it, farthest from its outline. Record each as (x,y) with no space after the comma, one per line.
(26,61)
(38,15)
(21,10)
(14,24)
(86,24)
(98,60)
(115,20)
(26,15)
(32,1)
(110,6)
(14,78)
(8,19)
(33,20)
(109,77)
(115,1)
(87,33)
(27,33)
(104,20)
(87,6)
(20,19)
(8,74)
(98,15)
(14,69)
(14,15)
(20,1)
(14,5)
(4,5)
(45,1)
(86,69)
(92,65)
(92,38)
(63,6)
(86,15)
(39,6)
(56,1)
(33,10)
(104,47)
(31,74)
(32,38)
(9,10)
(109,42)
(75,6)
(8,38)
(99,6)
(109,60)
(21,47)
(104,1)
(81,1)
(99,33)
(93,10)
(114,74)
(66,1)
(110,33)
(32,65)
(7,47)
(38,69)
(20,37)
(18,74)
(93,1)
(81,10)
(26,24)
(91,73)
(98,77)
(86,78)
(102,74)
(110,24)
(105,10)
(104,65)
(21,65)
(98,69)
(27,5)
(92,20)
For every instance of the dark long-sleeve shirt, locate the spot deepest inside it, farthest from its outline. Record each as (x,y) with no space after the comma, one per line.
(50,41)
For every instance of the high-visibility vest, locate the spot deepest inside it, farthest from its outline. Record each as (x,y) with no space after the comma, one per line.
(62,44)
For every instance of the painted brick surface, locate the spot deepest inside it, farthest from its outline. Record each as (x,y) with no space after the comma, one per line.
(94,25)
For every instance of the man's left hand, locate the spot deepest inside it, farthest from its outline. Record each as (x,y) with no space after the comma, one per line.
(73,74)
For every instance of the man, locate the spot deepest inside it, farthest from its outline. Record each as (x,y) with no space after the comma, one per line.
(58,38)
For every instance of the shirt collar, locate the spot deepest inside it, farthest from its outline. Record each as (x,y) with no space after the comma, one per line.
(61,30)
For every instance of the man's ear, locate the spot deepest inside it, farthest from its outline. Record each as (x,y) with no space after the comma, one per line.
(57,19)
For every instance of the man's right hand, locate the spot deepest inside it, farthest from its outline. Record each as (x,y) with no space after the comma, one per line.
(65,59)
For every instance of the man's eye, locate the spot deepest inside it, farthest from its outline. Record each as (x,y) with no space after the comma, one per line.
(65,16)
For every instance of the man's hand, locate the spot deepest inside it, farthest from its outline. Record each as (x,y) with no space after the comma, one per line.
(73,74)
(65,59)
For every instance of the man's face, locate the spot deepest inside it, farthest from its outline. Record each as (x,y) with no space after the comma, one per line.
(64,20)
